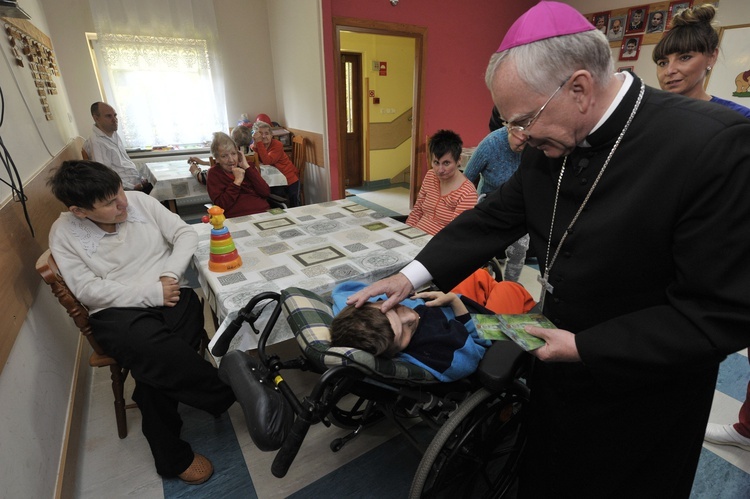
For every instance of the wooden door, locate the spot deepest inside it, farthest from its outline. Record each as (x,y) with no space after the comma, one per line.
(350,109)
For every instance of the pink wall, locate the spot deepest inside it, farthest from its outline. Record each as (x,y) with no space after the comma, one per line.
(461,36)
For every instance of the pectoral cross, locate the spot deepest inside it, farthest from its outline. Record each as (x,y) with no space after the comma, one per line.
(546,288)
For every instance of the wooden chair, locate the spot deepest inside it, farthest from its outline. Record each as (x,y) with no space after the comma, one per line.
(47,268)
(298,158)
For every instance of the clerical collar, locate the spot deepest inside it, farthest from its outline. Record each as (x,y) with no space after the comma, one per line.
(612,107)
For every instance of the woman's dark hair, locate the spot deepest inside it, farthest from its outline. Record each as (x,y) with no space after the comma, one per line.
(82,183)
(445,141)
(690,31)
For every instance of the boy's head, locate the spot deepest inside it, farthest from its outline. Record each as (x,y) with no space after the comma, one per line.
(242,136)
(446,141)
(369,329)
(82,183)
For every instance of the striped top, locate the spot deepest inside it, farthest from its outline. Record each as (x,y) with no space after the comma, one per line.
(432,211)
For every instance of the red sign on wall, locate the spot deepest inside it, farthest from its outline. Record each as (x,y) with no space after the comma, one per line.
(383,68)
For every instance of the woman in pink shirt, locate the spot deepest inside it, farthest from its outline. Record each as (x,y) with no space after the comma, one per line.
(445,191)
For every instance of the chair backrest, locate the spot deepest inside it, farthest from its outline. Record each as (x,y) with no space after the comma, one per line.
(84,154)
(47,268)
(298,158)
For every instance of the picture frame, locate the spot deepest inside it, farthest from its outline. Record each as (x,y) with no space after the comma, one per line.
(628,53)
(600,20)
(616,28)
(730,77)
(675,8)
(629,69)
(659,16)
(637,17)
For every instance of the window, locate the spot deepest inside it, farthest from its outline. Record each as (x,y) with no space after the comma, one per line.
(161,87)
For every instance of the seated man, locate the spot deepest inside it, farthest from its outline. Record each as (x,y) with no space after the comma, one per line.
(124,255)
(431,329)
(106,147)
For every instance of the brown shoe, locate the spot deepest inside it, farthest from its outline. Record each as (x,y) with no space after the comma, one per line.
(198,472)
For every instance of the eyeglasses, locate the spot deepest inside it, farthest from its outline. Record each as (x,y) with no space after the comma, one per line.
(517,129)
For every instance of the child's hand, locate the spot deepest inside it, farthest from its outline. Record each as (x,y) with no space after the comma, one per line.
(440,299)
(436,298)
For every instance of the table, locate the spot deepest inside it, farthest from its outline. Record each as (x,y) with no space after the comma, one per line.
(172,180)
(313,247)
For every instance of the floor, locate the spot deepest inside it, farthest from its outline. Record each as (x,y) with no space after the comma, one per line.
(110,467)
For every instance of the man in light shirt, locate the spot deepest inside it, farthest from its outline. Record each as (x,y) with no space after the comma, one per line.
(106,147)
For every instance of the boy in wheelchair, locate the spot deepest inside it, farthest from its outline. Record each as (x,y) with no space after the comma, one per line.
(432,329)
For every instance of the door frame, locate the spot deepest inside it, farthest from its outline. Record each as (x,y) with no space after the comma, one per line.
(361,130)
(419,34)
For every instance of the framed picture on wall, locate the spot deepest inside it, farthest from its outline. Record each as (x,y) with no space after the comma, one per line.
(656,21)
(601,21)
(629,69)
(674,9)
(730,77)
(637,20)
(631,47)
(616,28)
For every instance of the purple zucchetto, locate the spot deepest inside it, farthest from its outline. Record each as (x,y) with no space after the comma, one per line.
(542,21)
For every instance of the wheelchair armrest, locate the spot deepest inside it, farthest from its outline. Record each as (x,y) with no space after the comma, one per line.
(501,364)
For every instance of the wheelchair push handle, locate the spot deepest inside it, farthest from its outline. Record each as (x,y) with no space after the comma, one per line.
(246,314)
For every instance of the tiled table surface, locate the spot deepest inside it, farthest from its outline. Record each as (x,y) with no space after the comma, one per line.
(172,179)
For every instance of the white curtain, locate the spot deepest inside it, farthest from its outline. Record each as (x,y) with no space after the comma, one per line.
(159,68)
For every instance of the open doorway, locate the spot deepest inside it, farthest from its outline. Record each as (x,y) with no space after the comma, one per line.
(413,119)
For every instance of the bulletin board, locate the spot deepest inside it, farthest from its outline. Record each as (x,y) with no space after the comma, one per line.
(32,49)
(620,26)
(730,77)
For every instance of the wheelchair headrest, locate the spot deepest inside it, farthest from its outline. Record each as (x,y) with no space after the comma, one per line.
(310,318)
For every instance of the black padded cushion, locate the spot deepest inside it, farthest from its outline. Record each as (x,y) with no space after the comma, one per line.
(268,415)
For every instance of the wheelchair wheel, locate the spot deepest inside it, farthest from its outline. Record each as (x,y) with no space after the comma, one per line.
(476,452)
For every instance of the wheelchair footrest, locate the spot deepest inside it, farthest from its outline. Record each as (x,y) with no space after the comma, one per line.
(268,415)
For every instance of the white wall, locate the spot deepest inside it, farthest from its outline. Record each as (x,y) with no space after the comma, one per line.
(298,62)
(30,139)
(35,389)
(246,53)
(297,49)
(730,13)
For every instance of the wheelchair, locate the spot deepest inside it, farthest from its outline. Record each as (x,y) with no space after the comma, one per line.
(478,422)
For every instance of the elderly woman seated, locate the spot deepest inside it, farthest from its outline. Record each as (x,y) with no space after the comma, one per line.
(445,191)
(241,135)
(232,183)
(270,151)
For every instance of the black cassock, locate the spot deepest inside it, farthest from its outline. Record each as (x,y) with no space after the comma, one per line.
(653,278)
